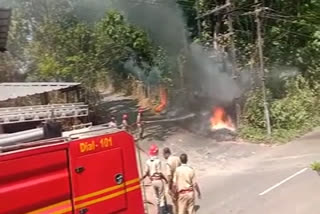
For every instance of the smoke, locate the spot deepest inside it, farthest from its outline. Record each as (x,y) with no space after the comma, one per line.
(212,77)
(152,77)
(164,22)
(161,19)
(90,10)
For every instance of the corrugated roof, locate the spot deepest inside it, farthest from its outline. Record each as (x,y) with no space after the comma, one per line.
(13,90)
(5,15)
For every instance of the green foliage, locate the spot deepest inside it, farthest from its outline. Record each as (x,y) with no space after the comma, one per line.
(315,166)
(127,37)
(296,109)
(76,52)
(253,134)
(292,115)
(254,110)
(68,49)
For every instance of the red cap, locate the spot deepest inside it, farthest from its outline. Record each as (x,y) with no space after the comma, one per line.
(125,116)
(140,110)
(153,151)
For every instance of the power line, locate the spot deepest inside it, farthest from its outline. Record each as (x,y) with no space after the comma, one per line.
(158,3)
(294,33)
(289,21)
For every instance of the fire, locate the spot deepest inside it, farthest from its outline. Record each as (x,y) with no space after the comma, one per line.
(163,100)
(220,120)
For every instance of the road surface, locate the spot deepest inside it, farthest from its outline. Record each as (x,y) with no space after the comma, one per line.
(237,177)
(276,181)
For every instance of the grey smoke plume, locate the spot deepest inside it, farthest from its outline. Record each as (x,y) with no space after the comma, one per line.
(162,19)
(211,76)
(90,10)
(164,22)
(151,78)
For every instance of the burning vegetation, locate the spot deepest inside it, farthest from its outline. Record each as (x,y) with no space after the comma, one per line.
(221,120)
(163,100)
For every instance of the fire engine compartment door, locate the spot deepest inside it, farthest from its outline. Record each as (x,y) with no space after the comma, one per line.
(98,182)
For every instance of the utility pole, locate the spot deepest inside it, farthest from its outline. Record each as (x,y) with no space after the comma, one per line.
(232,45)
(258,11)
(234,68)
(198,20)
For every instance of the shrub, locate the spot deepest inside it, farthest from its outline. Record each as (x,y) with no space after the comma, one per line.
(292,115)
(315,166)
(296,109)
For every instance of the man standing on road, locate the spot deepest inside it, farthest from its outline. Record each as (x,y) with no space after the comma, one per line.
(185,185)
(140,123)
(125,124)
(153,171)
(112,123)
(172,163)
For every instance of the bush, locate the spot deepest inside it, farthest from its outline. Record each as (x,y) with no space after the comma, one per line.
(315,166)
(256,135)
(291,116)
(296,109)
(254,111)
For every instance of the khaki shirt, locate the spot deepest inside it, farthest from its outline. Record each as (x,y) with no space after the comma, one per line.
(184,177)
(153,167)
(172,163)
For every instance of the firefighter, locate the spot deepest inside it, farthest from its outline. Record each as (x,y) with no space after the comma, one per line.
(112,123)
(140,124)
(172,163)
(125,124)
(154,172)
(185,185)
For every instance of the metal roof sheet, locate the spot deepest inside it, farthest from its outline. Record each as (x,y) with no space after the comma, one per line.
(13,90)
(5,15)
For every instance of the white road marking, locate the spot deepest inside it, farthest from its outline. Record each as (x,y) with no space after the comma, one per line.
(283,181)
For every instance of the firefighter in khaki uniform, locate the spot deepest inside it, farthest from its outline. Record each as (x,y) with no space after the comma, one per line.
(172,163)
(153,171)
(185,185)
(140,124)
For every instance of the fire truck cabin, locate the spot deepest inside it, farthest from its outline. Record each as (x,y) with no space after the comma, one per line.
(96,172)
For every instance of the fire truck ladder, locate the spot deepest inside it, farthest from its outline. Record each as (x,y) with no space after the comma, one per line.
(42,112)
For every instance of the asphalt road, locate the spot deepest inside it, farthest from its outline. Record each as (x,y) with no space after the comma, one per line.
(237,177)
(275,181)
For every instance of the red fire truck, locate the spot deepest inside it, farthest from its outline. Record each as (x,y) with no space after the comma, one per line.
(91,172)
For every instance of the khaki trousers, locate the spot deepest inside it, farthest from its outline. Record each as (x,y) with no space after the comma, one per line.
(186,202)
(174,200)
(159,191)
(174,204)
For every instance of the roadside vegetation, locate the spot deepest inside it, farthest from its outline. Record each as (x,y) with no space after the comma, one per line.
(315,166)
(62,40)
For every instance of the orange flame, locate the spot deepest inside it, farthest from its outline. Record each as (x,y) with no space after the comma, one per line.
(220,120)
(163,100)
